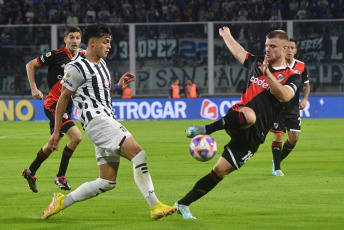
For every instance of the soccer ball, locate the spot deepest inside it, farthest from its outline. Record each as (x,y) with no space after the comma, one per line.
(203,147)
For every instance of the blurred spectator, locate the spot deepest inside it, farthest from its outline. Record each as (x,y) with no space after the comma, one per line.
(104,14)
(302,13)
(126,93)
(197,60)
(293,8)
(177,60)
(191,90)
(53,13)
(30,15)
(328,14)
(175,89)
(90,14)
(72,19)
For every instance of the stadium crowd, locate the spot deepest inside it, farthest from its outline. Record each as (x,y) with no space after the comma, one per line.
(109,11)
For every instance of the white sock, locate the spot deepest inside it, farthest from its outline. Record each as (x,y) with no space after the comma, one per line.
(143,179)
(88,190)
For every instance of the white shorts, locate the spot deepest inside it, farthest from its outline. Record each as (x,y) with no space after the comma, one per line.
(107,136)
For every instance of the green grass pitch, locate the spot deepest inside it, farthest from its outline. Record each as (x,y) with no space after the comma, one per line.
(310,196)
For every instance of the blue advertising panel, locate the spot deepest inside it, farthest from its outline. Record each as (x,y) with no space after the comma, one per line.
(168,109)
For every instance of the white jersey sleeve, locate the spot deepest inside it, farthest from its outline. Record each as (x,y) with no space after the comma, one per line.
(73,77)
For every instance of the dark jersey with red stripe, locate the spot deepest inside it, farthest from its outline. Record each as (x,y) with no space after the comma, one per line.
(291,108)
(258,96)
(56,60)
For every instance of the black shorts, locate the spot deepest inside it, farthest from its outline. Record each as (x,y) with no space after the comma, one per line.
(283,123)
(67,122)
(242,147)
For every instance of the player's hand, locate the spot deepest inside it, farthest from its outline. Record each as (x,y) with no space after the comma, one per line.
(302,104)
(223,31)
(53,143)
(264,67)
(37,94)
(126,79)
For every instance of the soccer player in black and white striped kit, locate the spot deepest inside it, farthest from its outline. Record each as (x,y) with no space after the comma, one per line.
(87,80)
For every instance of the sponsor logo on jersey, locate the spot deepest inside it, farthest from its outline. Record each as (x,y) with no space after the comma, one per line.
(209,109)
(67,76)
(65,116)
(262,83)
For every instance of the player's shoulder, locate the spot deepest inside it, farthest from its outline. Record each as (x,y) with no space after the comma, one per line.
(49,54)
(81,51)
(298,61)
(292,71)
(62,50)
(102,61)
(76,62)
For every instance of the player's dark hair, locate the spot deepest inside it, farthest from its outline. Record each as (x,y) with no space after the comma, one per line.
(97,30)
(281,34)
(72,29)
(292,40)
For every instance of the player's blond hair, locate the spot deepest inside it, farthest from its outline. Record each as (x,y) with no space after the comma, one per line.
(280,34)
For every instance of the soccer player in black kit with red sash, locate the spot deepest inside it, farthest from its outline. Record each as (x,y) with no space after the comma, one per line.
(55,60)
(289,118)
(270,84)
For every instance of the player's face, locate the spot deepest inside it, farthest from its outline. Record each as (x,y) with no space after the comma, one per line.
(275,49)
(73,41)
(103,46)
(291,51)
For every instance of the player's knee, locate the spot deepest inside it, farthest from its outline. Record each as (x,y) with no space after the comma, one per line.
(76,139)
(293,138)
(278,137)
(250,116)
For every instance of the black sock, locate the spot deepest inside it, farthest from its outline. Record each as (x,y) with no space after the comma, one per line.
(232,120)
(202,187)
(276,152)
(287,148)
(66,155)
(37,162)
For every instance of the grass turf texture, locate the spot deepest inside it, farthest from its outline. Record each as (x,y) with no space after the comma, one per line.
(310,196)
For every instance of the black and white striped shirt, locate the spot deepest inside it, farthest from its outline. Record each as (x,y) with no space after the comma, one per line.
(91,85)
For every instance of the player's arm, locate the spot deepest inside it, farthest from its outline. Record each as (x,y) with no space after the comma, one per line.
(60,110)
(30,71)
(236,49)
(306,92)
(306,89)
(282,93)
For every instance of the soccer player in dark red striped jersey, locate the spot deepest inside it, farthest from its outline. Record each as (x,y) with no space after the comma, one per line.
(55,60)
(289,118)
(270,84)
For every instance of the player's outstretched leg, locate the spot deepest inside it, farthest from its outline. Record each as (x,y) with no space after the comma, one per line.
(194,130)
(62,183)
(55,206)
(30,179)
(161,210)
(184,210)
